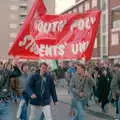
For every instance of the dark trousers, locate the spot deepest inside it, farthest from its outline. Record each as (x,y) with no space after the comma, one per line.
(104,102)
(117,111)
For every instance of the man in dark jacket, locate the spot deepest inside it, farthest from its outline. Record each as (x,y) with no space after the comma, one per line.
(103,81)
(40,89)
(16,73)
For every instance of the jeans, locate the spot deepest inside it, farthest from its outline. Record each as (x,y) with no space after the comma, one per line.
(37,111)
(77,106)
(118,108)
(42,117)
(116,104)
(62,82)
(103,103)
(22,113)
(5,111)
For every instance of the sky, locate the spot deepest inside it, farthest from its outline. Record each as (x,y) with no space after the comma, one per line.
(62,5)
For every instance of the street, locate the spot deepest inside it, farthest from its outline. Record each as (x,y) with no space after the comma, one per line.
(60,111)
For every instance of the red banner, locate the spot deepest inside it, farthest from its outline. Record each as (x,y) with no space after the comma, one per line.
(67,36)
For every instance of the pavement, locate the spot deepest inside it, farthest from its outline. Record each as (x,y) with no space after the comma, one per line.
(60,111)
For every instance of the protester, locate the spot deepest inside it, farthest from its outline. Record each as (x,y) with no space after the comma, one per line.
(70,72)
(23,105)
(60,73)
(40,88)
(103,79)
(16,73)
(5,73)
(79,87)
(115,86)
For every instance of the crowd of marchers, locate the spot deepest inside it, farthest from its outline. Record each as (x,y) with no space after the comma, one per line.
(35,87)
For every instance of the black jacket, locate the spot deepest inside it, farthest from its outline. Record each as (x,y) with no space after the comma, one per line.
(42,88)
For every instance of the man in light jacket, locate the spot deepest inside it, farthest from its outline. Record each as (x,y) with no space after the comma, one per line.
(115,87)
(79,85)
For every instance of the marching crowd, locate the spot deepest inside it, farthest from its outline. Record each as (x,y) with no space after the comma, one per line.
(35,87)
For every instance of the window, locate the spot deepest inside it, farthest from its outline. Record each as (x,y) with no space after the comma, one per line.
(115,39)
(81,8)
(69,12)
(74,10)
(87,6)
(94,3)
(13,7)
(22,17)
(14,26)
(116,18)
(21,23)
(23,5)
(13,35)
(116,24)
(24,8)
(23,11)
(13,17)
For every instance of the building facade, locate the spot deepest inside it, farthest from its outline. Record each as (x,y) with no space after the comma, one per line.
(50,5)
(114,30)
(107,43)
(13,13)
